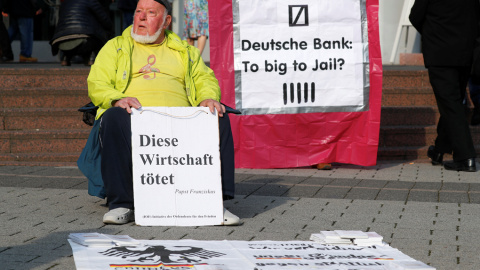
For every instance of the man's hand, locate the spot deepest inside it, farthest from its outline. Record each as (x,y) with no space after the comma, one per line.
(127,103)
(213,104)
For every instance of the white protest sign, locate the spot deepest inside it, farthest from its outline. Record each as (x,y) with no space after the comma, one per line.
(176,167)
(294,57)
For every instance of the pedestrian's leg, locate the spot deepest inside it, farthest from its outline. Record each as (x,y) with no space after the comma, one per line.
(25,26)
(449,87)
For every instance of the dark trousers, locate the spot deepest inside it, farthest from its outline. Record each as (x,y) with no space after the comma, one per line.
(5,45)
(116,143)
(453,132)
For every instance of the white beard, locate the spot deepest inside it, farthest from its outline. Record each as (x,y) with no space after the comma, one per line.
(146,39)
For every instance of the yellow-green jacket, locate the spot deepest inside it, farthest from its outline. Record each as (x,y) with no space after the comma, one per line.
(109,76)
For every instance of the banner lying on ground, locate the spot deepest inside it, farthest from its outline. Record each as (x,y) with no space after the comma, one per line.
(239,255)
(176,167)
(307,77)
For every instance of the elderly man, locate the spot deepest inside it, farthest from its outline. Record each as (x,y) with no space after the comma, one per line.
(149,66)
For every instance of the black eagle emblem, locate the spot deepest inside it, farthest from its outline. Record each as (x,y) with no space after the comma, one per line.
(157,254)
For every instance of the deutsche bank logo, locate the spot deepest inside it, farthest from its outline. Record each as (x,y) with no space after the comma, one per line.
(298,15)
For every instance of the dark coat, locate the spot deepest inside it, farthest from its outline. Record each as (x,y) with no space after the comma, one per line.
(448,28)
(87,17)
(21,8)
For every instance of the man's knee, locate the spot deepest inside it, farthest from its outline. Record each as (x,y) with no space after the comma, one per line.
(115,116)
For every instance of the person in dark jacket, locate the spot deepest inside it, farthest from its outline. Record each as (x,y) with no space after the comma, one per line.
(84,26)
(449,29)
(21,13)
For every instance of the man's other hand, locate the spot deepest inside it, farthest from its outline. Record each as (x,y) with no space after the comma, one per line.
(127,103)
(213,104)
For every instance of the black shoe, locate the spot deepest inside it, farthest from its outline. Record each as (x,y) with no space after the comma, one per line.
(467,165)
(435,155)
(6,59)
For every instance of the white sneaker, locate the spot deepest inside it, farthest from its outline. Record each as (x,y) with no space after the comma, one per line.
(230,219)
(118,216)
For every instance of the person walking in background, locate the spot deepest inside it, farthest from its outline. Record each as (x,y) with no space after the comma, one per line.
(196,22)
(84,26)
(21,13)
(127,7)
(449,29)
(5,46)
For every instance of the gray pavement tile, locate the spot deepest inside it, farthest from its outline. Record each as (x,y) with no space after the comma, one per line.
(12,182)
(474,197)
(344,182)
(272,190)
(417,233)
(447,224)
(372,183)
(453,197)
(9,169)
(399,184)
(303,172)
(423,196)
(246,188)
(332,192)
(474,187)
(427,186)
(290,180)
(21,169)
(317,181)
(262,179)
(393,195)
(301,191)
(240,177)
(362,193)
(455,186)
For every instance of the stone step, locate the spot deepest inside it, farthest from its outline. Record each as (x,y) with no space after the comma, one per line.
(55,78)
(43,142)
(408,96)
(417,78)
(41,119)
(39,159)
(405,136)
(43,97)
(411,116)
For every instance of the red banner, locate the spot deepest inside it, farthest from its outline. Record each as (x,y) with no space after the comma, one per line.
(300,139)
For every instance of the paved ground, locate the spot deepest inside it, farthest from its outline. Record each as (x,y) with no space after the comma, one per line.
(428,213)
